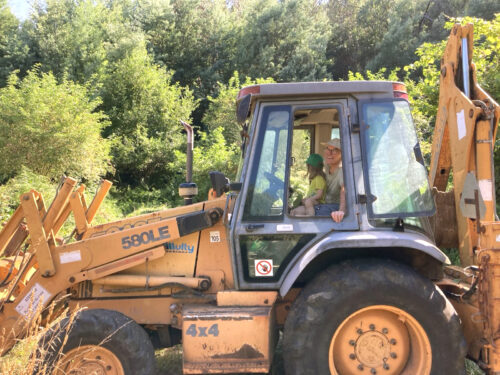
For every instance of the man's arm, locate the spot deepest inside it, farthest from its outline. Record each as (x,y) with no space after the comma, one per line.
(337,216)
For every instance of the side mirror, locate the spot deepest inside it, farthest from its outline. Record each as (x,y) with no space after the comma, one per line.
(243,109)
(221,184)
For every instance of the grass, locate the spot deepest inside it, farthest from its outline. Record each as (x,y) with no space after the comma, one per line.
(472,368)
(20,360)
(169,361)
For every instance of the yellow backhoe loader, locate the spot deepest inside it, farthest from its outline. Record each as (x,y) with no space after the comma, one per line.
(371,294)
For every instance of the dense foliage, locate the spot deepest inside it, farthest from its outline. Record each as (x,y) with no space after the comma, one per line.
(51,128)
(96,88)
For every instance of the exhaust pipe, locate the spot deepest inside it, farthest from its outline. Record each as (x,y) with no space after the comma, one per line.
(188,189)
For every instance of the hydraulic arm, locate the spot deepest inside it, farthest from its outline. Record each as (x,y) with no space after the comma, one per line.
(464,139)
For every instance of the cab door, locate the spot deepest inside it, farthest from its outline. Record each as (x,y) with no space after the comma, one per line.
(265,237)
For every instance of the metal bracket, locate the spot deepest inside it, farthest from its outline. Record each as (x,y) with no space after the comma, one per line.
(366,198)
(38,236)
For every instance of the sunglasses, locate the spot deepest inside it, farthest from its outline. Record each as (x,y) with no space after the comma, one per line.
(333,150)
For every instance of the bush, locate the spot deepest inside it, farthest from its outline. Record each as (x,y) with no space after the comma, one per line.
(25,180)
(222,109)
(144,107)
(51,128)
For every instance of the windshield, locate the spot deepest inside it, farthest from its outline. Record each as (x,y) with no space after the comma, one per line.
(396,176)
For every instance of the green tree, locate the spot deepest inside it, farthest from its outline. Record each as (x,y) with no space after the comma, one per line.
(144,108)
(285,40)
(78,39)
(50,128)
(11,48)
(485,9)
(221,111)
(194,38)
(356,27)
(410,23)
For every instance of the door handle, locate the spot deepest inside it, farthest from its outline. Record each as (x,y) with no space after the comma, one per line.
(252,227)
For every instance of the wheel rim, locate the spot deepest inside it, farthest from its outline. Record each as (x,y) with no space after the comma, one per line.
(380,340)
(90,360)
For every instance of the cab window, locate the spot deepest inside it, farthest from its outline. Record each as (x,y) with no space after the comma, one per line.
(312,129)
(396,176)
(266,192)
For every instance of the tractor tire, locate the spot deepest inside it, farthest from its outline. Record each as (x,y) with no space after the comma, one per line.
(96,342)
(372,317)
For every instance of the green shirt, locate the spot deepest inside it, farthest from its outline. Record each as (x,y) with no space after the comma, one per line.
(317,183)
(334,183)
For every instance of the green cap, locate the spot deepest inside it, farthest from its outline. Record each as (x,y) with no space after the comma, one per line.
(314,160)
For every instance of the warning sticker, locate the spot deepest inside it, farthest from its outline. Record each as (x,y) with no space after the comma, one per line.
(70,257)
(486,188)
(32,300)
(215,236)
(263,267)
(462,130)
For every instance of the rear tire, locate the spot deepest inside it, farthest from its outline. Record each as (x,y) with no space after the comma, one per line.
(347,319)
(98,341)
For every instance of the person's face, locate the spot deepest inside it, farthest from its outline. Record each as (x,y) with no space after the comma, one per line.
(332,155)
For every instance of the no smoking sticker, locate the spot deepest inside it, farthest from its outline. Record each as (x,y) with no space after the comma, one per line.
(263,267)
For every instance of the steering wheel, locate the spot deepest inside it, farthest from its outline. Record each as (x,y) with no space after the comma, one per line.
(275,184)
(273,180)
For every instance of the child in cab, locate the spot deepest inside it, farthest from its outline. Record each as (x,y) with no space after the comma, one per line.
(317,187)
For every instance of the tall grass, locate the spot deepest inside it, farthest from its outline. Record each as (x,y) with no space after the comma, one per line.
(27,357)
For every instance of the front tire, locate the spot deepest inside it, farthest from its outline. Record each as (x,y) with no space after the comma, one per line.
(373,317)
(97,341)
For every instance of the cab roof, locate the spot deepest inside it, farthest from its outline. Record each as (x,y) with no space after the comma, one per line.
(322,88)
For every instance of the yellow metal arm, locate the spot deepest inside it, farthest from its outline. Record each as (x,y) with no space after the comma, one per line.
(463,140)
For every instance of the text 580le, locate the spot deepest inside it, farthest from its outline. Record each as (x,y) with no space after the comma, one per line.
(145,237)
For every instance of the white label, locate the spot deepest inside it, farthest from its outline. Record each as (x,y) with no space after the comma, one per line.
(215,236)
(263,267)
(32,300)
(70,257)
(498,237)
(486,189)
(284,228)
(462,130)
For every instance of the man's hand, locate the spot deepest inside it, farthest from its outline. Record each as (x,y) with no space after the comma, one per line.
(337,216)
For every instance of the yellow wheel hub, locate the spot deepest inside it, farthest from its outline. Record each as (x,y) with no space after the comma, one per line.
(380,340)
(90,360)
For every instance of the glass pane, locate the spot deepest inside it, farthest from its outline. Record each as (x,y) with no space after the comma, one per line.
(335,133)
(266,192)
(301,149)
(271,250)
(395,177)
